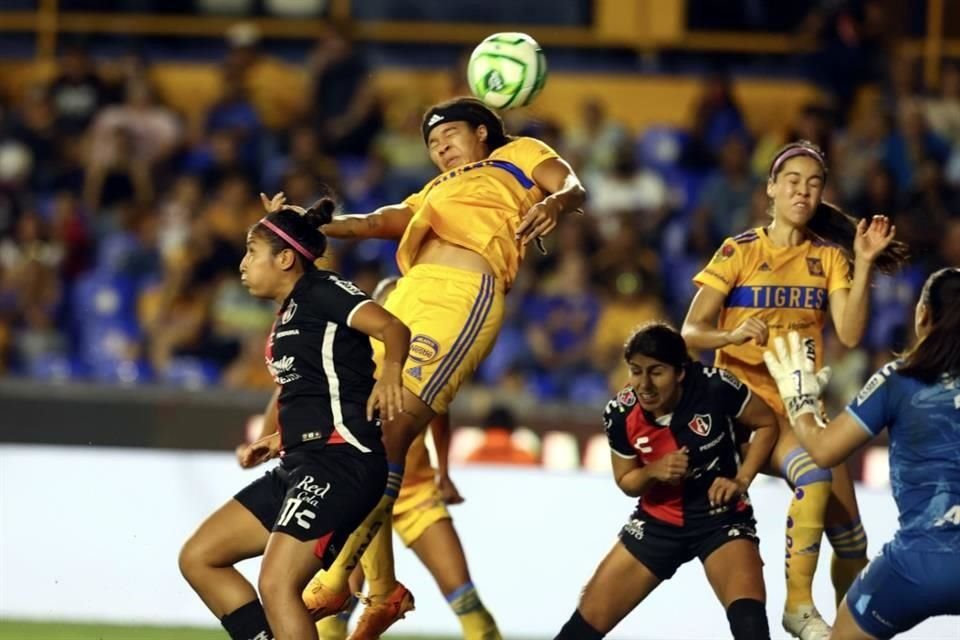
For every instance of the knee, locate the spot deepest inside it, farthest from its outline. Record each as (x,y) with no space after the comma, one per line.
(748,620)
(273,589)
(192,558)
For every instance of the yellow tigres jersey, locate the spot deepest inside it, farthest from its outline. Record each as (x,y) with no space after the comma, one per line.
(479,206)
(786,287)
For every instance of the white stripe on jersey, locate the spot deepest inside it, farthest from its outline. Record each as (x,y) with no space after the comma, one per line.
(329,334)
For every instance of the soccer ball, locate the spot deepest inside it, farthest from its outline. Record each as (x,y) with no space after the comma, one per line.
(507,70)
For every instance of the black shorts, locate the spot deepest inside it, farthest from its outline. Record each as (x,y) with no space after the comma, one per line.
(662,547)
(318,495)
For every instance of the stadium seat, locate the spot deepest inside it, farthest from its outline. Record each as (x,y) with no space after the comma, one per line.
(190,373)
(560,451)
(463,441)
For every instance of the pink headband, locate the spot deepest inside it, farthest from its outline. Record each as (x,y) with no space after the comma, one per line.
(793,153)
(286,237)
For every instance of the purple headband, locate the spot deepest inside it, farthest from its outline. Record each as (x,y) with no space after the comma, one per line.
(289,240)
(793,153)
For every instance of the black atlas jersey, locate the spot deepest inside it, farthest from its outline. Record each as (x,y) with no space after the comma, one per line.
(702,422)
(325,368)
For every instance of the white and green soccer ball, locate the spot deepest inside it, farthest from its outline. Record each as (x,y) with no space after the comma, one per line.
(507,70)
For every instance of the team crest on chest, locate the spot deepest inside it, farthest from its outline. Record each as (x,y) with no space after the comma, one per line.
(288,312)
(700,424)
(815,267)
(627,397)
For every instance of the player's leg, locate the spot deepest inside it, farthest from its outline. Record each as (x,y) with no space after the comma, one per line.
(288,564)
(231,534)
(441,552)
(329,591)
(335,627)
(805,521)
(735,571)
(619,584)
(845,532)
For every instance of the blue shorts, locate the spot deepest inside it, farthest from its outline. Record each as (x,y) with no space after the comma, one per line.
(900,589)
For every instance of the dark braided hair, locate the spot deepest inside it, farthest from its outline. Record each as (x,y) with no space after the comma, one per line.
(829,221)
(287,229)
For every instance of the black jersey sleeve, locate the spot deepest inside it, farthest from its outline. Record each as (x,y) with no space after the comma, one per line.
(338,298)
(615,423)
(729,391)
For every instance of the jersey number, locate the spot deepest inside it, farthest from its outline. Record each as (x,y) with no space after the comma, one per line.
(952,516)
(290,511)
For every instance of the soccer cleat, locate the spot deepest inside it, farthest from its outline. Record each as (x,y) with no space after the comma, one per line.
(323,602)
(377,617)
(806,624)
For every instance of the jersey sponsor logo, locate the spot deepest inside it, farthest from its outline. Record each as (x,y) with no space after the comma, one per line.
(712,443)
(282,369)
(777,297)
(701,424)
(627,397)
(288,332)
(874,383)
(347,286)
(423,349)
(289,312)
(641,444)
(634,528)
(815,267)
(723,254)
(730,379)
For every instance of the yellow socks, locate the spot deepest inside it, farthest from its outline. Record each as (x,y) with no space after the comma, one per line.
(849,544)
(475,620)
(804,525)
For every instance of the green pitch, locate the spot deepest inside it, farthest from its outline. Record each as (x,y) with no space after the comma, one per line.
(18,630)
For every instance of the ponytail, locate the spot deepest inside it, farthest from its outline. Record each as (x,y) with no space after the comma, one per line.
(832,224)
(938,352)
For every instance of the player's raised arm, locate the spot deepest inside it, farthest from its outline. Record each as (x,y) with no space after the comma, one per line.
(389,222)
(567,194)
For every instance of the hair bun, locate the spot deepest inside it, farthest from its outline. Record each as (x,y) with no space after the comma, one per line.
(321,212)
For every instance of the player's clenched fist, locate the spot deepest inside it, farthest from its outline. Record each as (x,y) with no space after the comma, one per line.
(671,467)
(750,329)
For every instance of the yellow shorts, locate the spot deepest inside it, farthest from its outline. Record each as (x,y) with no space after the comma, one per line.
(454,317)
(757,378)
(418,507)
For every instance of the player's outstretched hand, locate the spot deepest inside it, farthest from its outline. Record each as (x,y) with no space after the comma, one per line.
(724,490)
(387,394)
(792,365)
(672,467)
(873,237)
(540,220)
(279,203)
(266,448)
(751,329)
(448,490)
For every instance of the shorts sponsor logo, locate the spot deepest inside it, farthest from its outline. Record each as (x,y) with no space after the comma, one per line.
(289,312)
(312,491)
(701,424)
(423,349)
(634,528)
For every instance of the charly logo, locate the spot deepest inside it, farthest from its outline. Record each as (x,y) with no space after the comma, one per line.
(423,349)
(701,424)
(288,312)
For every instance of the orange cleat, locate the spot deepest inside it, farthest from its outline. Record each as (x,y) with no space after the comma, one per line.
(377,617)
(322,602)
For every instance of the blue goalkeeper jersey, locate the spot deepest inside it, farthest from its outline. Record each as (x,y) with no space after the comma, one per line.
(924,428)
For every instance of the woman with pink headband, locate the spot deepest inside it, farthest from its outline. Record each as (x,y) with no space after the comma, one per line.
(811,260)
(323,423)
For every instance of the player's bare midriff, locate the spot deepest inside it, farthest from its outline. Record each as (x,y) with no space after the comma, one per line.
(435,250)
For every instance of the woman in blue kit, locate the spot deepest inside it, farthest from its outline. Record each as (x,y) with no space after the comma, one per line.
(917,398)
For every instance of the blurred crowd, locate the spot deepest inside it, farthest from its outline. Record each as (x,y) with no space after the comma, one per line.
(122,223)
